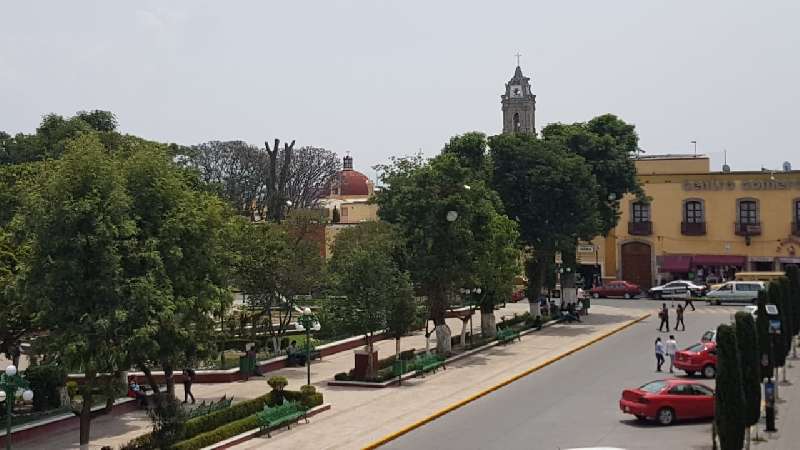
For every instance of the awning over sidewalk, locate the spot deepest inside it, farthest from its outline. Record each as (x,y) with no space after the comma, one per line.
(718,260)
(676,263)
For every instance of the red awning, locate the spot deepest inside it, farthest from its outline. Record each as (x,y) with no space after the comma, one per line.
(718,260)
(675,263)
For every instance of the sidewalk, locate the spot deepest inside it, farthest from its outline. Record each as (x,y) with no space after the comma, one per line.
(788,434)
(361,415)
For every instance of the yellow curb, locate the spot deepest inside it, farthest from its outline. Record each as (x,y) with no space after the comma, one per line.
(390,437)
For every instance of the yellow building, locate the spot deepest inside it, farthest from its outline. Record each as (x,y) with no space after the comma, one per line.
(701,224)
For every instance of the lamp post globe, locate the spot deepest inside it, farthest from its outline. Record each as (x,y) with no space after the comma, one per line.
(451,216)
(307,311)
(11,370)
(2,396)
(27,395)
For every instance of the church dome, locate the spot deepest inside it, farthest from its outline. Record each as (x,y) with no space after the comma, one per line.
(351,182)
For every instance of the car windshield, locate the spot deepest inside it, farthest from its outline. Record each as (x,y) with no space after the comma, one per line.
(695,348)
(654,386)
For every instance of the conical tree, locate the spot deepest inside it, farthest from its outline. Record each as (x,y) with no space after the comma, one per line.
(775,296)
(793,274)
(729,400)
(764,341)
(787,314)
(747,344)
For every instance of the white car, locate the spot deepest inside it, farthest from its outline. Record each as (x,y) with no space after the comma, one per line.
(736,292)
(677,289)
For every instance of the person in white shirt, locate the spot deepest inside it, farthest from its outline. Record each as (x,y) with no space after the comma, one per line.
(672,348)
(659,354)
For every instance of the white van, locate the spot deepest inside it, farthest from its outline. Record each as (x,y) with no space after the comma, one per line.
(736,292)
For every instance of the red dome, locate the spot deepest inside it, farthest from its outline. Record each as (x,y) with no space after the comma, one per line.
(352,182)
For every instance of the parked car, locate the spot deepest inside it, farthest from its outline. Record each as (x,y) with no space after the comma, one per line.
(709,336)
(616,289)
(736,292)
(669,400)
(700,357)
(677,289)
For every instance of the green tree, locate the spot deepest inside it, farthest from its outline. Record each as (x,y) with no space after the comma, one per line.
(775,296)
(81,230)
(787,314)
(747,345)
(177,269)
(496,253)
(445,215)
(764,339)
(17,317)
(793,275)
(551,193)
(729,396)
(372,285)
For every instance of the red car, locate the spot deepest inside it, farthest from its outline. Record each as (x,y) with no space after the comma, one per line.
(700,357)
(616,289)
(669,400)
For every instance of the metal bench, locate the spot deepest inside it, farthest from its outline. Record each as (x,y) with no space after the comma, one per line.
(505,335)
(285,414)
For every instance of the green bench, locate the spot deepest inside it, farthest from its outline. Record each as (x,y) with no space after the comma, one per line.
(285,414)
(428,363)
(505,335)
(203,409)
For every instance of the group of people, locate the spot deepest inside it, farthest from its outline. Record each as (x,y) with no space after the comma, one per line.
(669,349)
(663,314)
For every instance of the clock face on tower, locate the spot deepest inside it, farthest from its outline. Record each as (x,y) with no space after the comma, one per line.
(516,90)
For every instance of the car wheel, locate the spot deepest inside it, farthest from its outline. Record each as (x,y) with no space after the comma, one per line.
(718,302)
(627,296)
(690,373)
(595,295)
(657,295)
(665,416)
(709,371)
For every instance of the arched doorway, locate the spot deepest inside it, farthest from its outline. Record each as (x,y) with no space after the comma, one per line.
(636,264)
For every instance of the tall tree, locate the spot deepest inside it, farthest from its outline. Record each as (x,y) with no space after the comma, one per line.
(729,396)
(775,296)
(793,275)
(551,194)
(747,346)
(765,353)
(311,171)
(176,271)
(445,215)
(374,288)
(277,179)
(81,229)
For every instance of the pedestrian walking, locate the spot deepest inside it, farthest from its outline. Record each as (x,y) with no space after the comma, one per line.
(679,318)
(663,314)
(672,348)
(689,302)
(188,379)
(659,354)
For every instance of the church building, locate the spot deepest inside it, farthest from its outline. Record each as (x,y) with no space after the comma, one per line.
(519,105)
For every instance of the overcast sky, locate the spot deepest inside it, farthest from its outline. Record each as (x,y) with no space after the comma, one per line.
(383,78)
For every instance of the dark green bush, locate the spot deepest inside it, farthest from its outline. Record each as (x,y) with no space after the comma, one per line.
(308,389)
(217,419)
(45,381)
(407,355)
(341,376)
(277,383)
(218,434)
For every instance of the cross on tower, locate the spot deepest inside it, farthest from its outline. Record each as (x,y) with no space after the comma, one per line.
(518,55)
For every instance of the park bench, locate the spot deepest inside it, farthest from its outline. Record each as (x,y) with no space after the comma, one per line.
(428,363)
(204,409)
(285,414)
(505,335)
(300,355)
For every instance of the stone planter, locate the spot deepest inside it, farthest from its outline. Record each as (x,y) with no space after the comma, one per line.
(362,363)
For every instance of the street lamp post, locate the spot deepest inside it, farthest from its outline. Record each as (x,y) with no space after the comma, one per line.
(10,383)
(308,322)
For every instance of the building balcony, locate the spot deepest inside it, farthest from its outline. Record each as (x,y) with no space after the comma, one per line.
(747,229)
(796,228)
(693,228)
(640,228)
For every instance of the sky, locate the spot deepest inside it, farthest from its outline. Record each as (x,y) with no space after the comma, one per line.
(388,78)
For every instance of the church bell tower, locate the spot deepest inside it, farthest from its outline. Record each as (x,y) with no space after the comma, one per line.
(519,105)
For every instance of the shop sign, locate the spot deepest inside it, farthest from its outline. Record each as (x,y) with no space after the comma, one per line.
(745,185)
(585,248)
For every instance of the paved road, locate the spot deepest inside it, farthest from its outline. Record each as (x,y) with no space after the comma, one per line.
(574,402)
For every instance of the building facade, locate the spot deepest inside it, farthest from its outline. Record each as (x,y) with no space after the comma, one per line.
(519,105)
(702,225)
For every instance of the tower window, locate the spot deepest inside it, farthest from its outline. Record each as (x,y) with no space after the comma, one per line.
(516,123)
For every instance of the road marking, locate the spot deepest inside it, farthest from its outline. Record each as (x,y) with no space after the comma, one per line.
(392,436)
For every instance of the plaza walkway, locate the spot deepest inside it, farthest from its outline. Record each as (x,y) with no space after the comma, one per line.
(360,415)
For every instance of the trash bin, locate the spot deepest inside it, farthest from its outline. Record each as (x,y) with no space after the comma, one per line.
(246,366)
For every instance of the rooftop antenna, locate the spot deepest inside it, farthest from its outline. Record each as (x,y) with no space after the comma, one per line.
(725,167)
(695,147)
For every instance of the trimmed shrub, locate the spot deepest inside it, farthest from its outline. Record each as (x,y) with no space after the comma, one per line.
(308,389)
(216,419)
(341,376)
(277,383)
(729,395)
(45,381)
(407,355)
(218,434)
